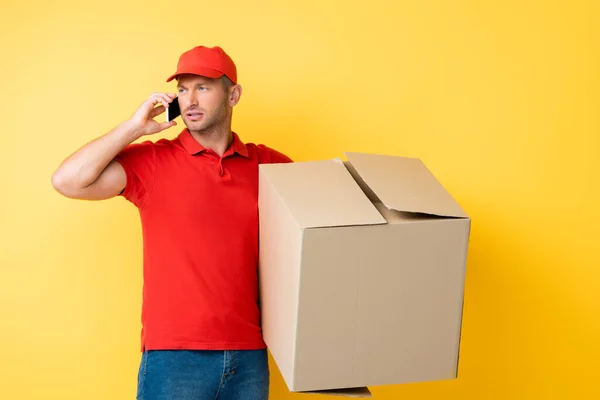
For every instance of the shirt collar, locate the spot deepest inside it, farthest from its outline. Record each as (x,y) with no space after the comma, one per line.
(193,147)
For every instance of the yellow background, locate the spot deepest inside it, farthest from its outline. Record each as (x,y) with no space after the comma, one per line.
(498,98)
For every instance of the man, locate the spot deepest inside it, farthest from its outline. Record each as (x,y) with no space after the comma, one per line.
(197,196)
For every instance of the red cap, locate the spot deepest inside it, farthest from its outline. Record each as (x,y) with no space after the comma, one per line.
(211,62)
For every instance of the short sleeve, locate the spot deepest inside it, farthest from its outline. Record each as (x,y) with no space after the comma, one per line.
(267,155)
(139,162)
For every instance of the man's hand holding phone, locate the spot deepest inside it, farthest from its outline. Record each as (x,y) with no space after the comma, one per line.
(143,119)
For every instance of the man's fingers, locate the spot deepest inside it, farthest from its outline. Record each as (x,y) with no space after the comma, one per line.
(149,110)
(166,100)
(166,125)
(163,98)
(157,111)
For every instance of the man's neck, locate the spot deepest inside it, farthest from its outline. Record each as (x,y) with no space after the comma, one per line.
(218,139)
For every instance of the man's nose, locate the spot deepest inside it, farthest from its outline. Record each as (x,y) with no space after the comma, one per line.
(188,101)
(192,100)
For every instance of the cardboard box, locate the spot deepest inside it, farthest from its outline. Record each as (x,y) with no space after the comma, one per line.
(362,268)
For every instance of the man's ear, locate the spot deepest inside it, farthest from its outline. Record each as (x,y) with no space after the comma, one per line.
(235,92)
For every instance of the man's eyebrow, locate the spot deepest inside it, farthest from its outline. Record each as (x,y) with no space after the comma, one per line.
(203,83)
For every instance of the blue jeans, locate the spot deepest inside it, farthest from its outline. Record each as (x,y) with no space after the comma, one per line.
(203,375)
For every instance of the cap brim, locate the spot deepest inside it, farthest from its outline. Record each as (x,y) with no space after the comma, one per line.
(207,72)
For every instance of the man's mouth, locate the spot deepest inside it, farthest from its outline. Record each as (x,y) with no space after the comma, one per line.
(194,115)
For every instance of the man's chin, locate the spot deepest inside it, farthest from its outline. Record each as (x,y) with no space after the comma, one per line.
(193,126)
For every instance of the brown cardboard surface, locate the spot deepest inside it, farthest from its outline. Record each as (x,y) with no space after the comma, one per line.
(321,193)
(359,303)
(354,325)
(405,184)
(279,272)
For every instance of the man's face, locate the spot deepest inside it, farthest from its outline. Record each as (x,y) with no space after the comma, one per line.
(203,102)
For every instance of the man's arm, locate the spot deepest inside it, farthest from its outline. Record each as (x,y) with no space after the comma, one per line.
(91,173)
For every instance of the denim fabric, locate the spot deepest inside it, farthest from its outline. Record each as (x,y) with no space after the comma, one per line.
(203,375)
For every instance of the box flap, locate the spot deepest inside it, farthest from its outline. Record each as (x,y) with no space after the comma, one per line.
(358,393)
(321,194)
(405,184)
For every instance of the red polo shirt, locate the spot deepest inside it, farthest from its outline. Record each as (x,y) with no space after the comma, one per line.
(199,215)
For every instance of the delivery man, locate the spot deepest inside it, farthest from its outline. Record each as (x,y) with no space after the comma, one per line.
(197,196)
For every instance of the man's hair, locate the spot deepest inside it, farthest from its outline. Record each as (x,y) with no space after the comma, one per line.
(227,83)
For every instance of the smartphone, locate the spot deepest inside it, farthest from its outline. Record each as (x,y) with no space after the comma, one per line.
(173,110)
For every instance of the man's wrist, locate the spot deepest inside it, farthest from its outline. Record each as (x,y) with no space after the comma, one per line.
(131,131)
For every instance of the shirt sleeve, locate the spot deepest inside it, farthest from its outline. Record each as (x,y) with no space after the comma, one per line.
(139,162)
(268,155)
